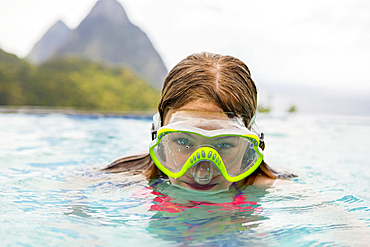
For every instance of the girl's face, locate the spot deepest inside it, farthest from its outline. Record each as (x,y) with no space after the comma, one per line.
(186,181)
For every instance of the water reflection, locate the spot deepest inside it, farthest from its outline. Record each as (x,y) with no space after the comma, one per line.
(188,218)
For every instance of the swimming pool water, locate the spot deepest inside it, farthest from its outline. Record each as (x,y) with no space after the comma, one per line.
(53,194)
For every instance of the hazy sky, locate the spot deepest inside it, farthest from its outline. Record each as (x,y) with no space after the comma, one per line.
(323,43)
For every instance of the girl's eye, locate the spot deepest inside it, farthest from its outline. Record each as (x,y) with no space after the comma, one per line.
(224,145)
(182,141)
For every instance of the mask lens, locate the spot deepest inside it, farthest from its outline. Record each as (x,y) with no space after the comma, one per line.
(175,148)
(246,159)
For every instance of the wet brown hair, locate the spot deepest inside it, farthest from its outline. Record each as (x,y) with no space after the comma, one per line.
(223,80)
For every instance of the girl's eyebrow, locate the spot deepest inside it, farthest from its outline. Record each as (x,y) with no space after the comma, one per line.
(184,133)
(225,138)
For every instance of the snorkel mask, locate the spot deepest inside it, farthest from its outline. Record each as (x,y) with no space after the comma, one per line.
(206,144)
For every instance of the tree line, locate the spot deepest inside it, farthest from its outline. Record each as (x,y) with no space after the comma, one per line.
(73,82)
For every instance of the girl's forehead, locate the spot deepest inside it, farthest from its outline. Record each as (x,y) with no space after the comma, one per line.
(196,105)
(198,114)
(206,119)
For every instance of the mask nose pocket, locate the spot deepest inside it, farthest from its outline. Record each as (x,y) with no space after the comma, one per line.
(203,172)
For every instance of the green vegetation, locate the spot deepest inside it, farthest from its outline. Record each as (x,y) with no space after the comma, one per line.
(265,107)
(73,83)
(292,109)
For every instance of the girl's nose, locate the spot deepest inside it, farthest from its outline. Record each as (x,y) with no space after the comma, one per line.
(203,172)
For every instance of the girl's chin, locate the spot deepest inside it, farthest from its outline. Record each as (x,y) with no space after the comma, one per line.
(204,187)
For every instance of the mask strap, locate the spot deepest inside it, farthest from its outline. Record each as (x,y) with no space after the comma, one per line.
(156,125)
(252,121)
(253,127)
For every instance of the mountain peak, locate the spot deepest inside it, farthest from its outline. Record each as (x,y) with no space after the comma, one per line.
(60,25)
(110,9)
(54,38)
(107,36)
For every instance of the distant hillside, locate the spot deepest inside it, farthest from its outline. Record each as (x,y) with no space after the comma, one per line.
(10,59)
(105,35)
(14,72)
(72,82)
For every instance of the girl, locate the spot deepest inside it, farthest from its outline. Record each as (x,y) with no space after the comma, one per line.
(204,135)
